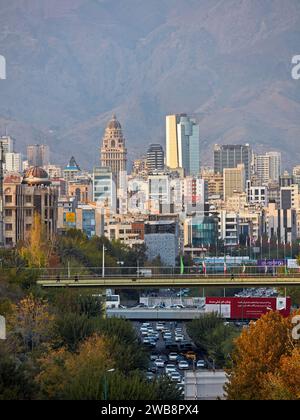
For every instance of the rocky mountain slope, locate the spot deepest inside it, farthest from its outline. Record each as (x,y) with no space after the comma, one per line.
(72,63)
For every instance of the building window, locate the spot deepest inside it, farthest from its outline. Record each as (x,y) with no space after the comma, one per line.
(8,199)
(28,213)
(8,213)
(28,227)
(28,199)
(8,241)
(8,227)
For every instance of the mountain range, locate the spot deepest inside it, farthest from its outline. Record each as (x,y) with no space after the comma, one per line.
(71,64)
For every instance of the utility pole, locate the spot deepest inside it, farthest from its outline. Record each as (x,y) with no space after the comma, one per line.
(1,196)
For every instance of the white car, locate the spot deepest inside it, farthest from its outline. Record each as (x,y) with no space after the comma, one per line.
(167,336)
(159,363)
(175,377)
(173,357)
(183,365)
(160,327)
(179,338)
(170,368)
(201,364)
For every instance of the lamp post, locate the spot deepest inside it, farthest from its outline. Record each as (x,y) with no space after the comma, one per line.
(103,261)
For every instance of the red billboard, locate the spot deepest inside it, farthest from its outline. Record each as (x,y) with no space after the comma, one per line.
(247,308)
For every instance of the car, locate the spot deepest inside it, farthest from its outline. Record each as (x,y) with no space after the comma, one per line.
(160,363)
(184,346)
(170,368)
(153,357)
(173,357)
(201,364)
(171,345)
(153,338)
(175,377)
(160,327)
(179,338)
(146,324)
(183,365)
(167,336)
(151,330)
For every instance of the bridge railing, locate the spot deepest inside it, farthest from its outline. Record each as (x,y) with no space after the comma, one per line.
(168,272)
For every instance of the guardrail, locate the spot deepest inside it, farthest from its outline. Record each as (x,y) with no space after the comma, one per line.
(216,270)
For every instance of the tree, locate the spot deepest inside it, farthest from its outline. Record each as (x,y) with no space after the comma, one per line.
(32,323)
(200,329)
(92,374)
(284,384)
(82,303)
(213,337)
(15,383)
(72,329)
(257,354)
(37,249)
(75,376)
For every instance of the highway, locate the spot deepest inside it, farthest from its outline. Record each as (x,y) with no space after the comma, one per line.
(176,281)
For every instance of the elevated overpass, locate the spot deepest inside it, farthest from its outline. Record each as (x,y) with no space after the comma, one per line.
(148,314)
(170,281)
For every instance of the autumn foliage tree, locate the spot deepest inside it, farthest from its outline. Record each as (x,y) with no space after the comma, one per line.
(92,373)
(266,361)
(31,324)
(36,250)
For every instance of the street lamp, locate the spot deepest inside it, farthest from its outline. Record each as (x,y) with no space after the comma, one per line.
(103,261)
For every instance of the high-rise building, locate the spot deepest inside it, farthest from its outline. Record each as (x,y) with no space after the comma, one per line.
(183,143)
(7,143)
(267,167)
(234,181)
(23,198)
(275,165)
(113,150)
(104,188)
(172,154)
(38,155)
(162,240)
(230,156)
(13,162)
(189,145)
(155,158)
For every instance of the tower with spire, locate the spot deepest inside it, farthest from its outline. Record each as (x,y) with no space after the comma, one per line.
(113,150)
